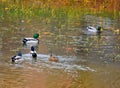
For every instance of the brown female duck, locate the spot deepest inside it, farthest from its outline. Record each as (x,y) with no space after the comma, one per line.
(53,59)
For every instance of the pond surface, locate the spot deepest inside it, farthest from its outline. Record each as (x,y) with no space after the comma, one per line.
(85,60)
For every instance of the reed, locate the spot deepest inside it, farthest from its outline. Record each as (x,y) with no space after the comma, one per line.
(19,9)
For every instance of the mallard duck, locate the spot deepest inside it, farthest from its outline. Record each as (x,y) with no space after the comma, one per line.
(31,41)
(16,58)
(93,29)
(53,59)
(33,52)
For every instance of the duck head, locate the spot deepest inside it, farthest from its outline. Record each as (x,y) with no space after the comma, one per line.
(32,48)
(19,53)
(36,35)
(99,29)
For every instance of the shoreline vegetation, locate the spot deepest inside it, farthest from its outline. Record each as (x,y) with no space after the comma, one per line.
(24,9)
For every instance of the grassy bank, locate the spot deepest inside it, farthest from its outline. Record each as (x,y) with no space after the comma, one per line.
(26,9)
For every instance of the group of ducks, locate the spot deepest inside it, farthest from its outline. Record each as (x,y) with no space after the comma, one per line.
(35,40)
(18,57)
(27,41)
(32,41)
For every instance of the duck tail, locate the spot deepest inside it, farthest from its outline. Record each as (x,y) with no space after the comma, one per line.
(13,59)
(34,55)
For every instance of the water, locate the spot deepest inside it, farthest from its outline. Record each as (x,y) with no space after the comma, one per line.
(85,60)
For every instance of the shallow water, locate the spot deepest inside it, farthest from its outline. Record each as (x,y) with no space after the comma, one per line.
(85,60)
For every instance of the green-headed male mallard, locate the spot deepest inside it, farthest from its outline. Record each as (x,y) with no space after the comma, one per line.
(31,41)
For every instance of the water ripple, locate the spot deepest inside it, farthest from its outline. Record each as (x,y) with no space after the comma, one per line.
(66,63)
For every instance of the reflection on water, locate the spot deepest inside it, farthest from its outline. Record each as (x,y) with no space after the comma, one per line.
(85,60)
(66,63)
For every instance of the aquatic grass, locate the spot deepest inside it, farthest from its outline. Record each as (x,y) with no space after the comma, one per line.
(21,10)
(15,12)
(1,12)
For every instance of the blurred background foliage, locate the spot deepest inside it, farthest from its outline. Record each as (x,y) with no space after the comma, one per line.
(23,9)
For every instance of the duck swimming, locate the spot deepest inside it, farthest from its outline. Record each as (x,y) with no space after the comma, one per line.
(31,41)
(53,59)
(93,29)
(16,58)
(33,52)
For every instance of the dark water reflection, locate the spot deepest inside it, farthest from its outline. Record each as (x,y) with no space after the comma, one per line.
(86,60)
